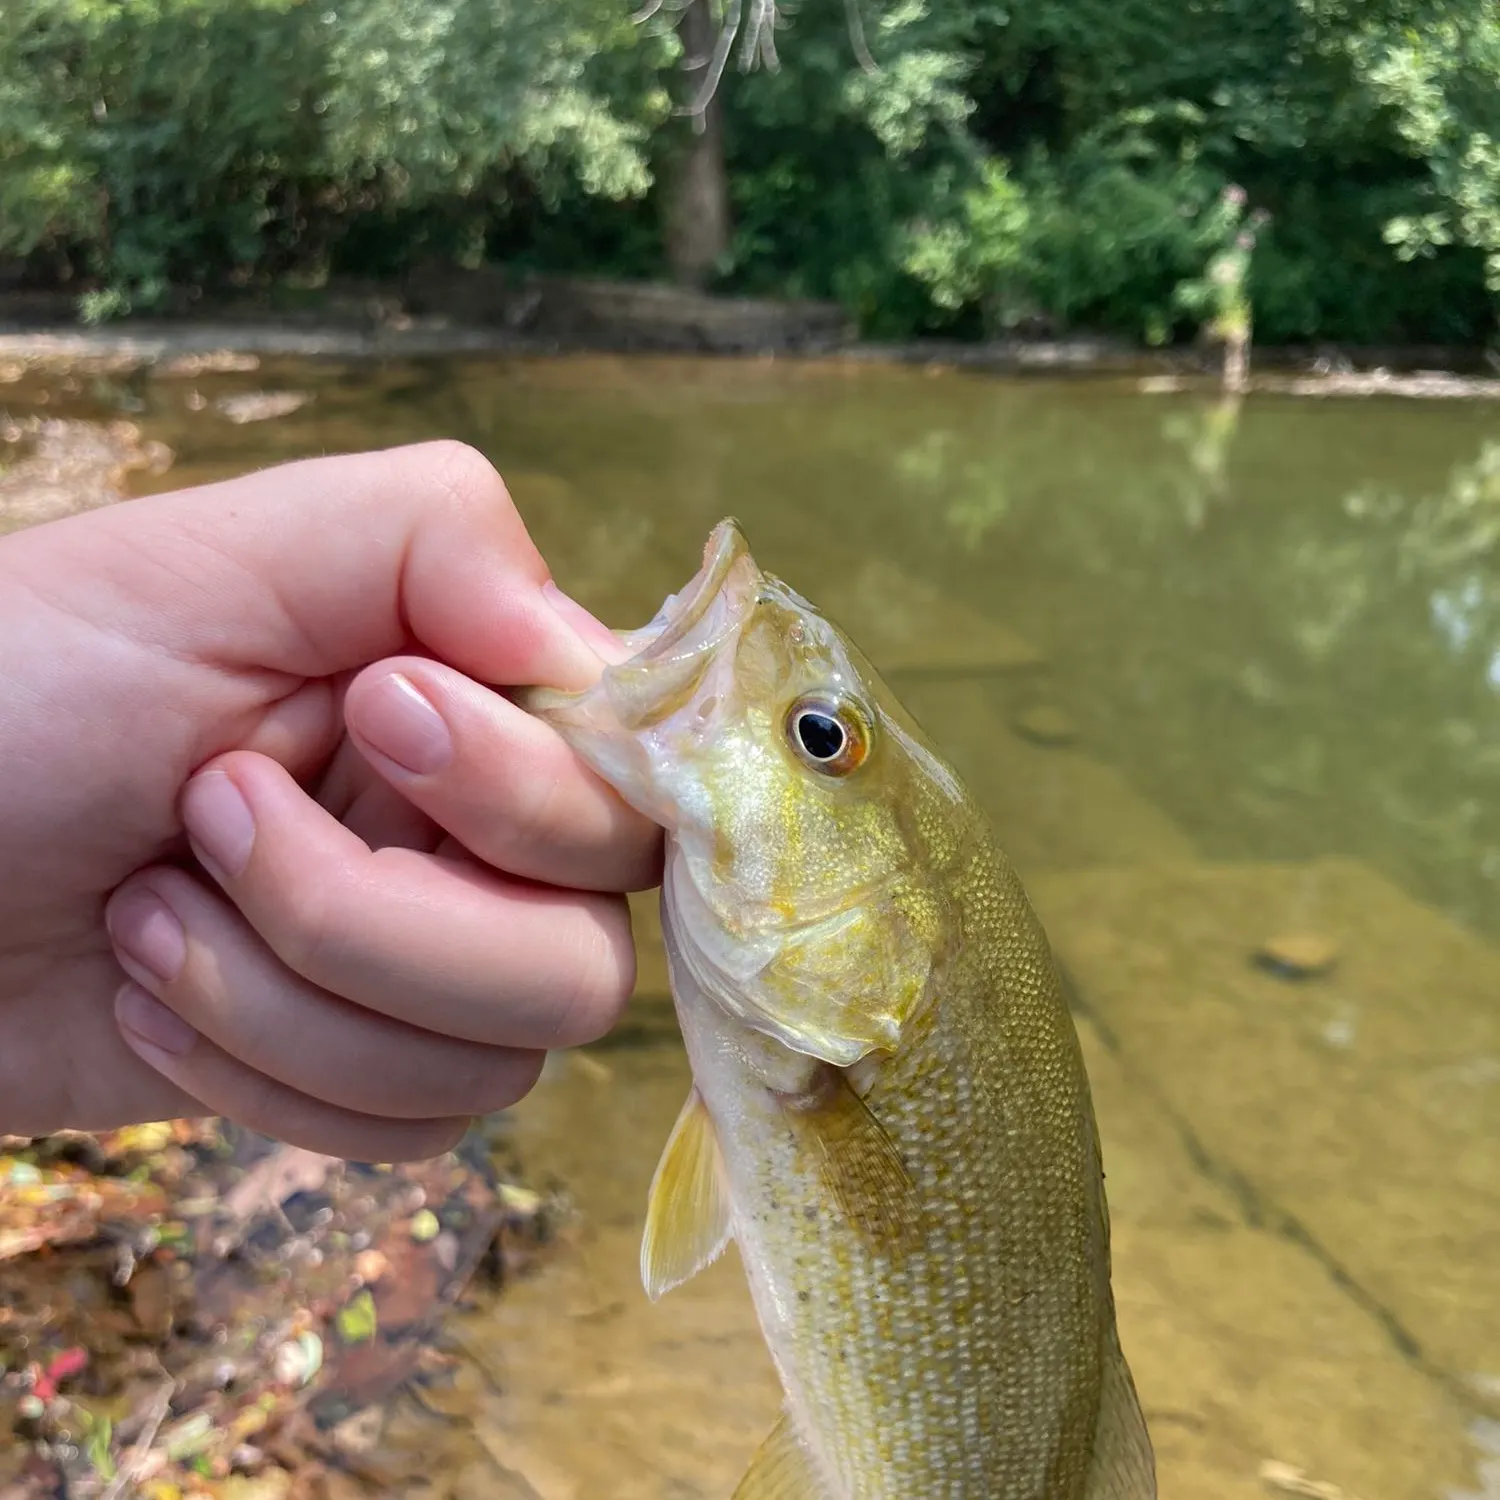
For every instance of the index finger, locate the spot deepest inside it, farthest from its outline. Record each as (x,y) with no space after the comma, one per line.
(501,782)
(320,566)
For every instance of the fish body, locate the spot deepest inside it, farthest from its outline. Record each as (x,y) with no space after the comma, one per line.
(889,1114)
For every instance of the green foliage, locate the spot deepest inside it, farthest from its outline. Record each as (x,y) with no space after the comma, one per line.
(1111,232)
(832,163)
(978,250)
(139,119)
(959,167)
(425,99)
(1435,70)
(1073,162)
(158,140)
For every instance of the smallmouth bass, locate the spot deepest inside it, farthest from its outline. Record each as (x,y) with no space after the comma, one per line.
(889,1112)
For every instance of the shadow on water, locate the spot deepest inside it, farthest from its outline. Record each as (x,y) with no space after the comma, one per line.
(1226,676)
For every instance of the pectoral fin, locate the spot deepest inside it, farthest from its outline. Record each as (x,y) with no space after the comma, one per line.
(781,1470)
(861,1167)
(1123,1467)
(687,1216)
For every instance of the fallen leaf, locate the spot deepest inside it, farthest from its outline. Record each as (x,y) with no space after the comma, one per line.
(356,1320)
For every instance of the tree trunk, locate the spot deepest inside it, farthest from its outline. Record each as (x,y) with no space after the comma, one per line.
(1237,362)
(697,196)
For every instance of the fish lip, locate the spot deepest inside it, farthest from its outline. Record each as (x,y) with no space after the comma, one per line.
(671,656)
(663,643)
(725,549)
(668,657)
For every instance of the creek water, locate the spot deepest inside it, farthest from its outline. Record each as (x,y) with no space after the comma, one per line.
(1225,673)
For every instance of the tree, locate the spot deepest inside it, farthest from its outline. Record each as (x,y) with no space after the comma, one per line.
(936,166)
(696,210)
(1434,69)
(162,141)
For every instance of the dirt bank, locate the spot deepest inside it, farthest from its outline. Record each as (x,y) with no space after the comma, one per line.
(444,311)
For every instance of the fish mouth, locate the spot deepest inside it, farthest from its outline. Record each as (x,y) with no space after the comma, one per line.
(670,655)
(670,634)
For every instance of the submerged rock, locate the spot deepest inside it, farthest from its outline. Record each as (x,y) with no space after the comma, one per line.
(261,406)
(1297,955)
(50,469)
(1046,724)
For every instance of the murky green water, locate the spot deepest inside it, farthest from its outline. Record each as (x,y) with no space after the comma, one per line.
(1220,672)
(1281,621)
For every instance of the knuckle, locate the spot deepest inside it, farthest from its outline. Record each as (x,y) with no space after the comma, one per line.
(310,930)
(262,1105)
(491,1080)
(467,476)
(530,818)
(301,944)
(604,975)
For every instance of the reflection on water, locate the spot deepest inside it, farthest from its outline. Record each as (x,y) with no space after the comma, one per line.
(1224,673)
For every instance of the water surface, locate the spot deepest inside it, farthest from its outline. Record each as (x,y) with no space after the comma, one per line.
(1220,672)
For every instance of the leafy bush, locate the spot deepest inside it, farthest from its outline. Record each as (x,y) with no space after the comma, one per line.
(950,167)
(1104,234)
(160,140)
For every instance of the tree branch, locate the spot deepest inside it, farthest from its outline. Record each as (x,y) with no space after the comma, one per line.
(728,30)
(757,45)
(857,37)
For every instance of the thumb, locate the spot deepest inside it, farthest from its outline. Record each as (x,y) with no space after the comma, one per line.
(319,567)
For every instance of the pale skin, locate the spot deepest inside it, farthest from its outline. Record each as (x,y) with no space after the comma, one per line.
(274,848)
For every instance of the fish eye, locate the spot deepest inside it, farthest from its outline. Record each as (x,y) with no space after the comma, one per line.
(830,737)
(821,736)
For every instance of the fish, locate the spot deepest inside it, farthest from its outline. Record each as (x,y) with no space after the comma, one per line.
(889,1112)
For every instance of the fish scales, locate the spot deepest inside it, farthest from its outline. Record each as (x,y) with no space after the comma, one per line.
(890,1113)
(932,1373)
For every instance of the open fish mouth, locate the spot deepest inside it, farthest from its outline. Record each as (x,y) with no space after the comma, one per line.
(670,655)
(711,604)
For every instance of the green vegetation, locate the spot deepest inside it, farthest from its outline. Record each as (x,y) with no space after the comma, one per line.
(1150,167)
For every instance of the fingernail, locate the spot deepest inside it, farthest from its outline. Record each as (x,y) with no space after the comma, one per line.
(219,824)
(149,1026)
(146,929)
(596,635)
(395,719)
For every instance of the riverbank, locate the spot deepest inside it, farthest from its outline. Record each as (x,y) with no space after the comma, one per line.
(488,312)
(213,348)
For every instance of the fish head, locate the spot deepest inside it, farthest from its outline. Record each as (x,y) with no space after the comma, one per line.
(810,824)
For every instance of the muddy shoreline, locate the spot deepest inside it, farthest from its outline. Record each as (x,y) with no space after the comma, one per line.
(443,312)
(181,347)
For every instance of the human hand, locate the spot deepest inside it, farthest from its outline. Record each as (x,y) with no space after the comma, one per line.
(396,889)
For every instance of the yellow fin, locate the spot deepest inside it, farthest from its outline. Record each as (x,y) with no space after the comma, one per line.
(781,1470)
(862,1169)
(687,1217)
(1123,1466)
